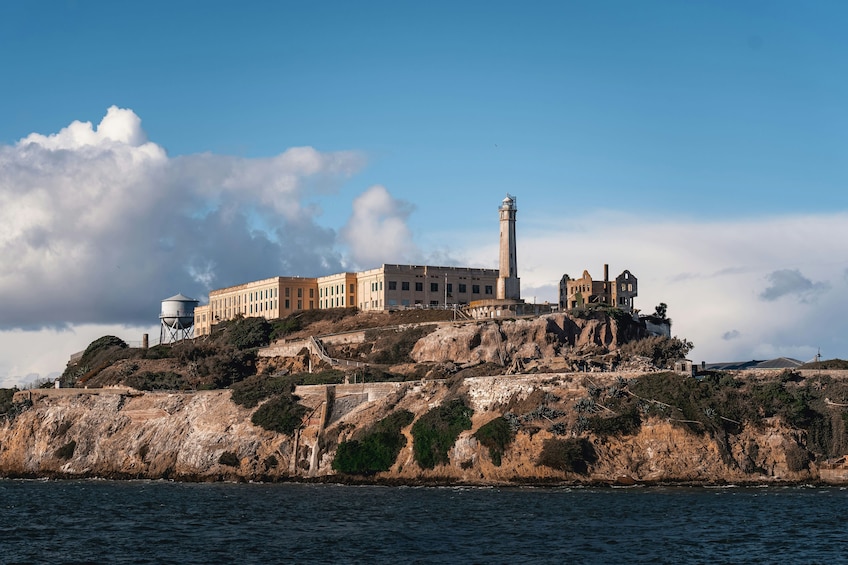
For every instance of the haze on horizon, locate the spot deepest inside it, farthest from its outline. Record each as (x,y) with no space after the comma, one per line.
(149,150)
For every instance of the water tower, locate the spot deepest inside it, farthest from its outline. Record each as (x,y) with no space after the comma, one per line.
(176,321)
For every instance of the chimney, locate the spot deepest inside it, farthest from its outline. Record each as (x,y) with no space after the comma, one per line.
(606,273)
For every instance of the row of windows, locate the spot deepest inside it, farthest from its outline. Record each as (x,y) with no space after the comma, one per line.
(434,287)
(336,302)
(333,290)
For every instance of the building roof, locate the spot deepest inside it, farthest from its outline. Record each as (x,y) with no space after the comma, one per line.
(778,363)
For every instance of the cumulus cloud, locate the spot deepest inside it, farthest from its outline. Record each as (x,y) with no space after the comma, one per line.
(98,224)
(377,231)
(790,282)
(710,283)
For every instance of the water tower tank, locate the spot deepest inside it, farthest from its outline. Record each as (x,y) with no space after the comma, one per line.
(178,311)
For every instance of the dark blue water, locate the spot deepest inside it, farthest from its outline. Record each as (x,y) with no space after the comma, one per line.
(161,522)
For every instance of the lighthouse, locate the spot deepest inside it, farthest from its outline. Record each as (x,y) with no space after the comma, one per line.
(509,285)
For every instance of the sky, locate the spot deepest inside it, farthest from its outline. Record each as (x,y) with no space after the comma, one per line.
(153,148)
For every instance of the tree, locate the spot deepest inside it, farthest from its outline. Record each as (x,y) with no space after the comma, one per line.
(661,310)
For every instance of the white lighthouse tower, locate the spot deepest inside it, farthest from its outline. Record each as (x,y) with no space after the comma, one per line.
(509,285)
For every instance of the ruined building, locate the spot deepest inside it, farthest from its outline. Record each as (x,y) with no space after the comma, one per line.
(577,293)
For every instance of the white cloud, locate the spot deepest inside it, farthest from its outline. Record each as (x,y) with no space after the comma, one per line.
(377,231)
(98,224)
(711,275)
(28,355)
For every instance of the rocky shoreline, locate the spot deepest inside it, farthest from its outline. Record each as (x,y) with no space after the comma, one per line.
(203,436)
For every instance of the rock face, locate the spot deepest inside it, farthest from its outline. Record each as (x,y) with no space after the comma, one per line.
(122,433)
(502,341)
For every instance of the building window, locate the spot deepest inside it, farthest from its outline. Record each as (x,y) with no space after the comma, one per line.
(311,293)
(434,287)
(300,304)
(419,287)
(404,285)
(300,293)
(450,288)
(392,285)
(287,304)
(475,289)
(311,304)
(462,288)
(434,303)
(488,289)
(287,292)
(352,290)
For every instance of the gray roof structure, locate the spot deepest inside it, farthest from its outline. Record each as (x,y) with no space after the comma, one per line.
(778,363)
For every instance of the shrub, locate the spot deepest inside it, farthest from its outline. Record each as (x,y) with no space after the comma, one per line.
(280,414)
(229,458)
(252,390)
(570,455)
(6,395)
(626,423)
(436,431)
(67,450)
(663,351)
(283,327)
(247,333)
(496,435)
(377,449)
(165,380)
(102,344)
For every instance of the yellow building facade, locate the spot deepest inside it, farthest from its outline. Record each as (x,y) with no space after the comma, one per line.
(386,288)
(272,298)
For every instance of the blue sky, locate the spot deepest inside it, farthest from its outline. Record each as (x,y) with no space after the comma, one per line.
(681,118)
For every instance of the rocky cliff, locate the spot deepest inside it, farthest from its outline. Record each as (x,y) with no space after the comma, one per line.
(203,435)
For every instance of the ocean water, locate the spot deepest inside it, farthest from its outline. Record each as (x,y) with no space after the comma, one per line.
(162,522)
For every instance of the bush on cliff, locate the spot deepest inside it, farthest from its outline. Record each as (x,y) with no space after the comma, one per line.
(436,431)
(252,390)
(496,435)
(570,455)
(281,413)
(6,395)
(377,449)
(99,354)
(247,333)
(663,351)
(165,380)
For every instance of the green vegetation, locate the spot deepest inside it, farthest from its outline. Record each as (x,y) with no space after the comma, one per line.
(496,435)
(248,333)
(663,351)
(377,449)
(436,431)
(831,364)
(8,408)
(99,354)
(284,326)
(165,380)
(229,458)
(572,455)
(6,395)
(252,390)
(280,414)
(67,450)
(719,405)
